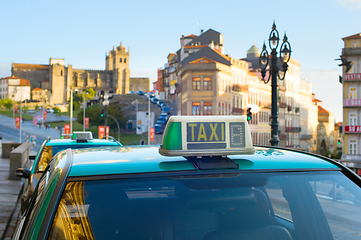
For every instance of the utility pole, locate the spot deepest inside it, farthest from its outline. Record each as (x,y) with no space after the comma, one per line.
(84,111)
(21,109)
(148,121)
(71,110)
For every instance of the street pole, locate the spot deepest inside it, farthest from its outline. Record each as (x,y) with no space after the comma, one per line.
(117,125)
(42,126)
(21,93)
(71,110)
(84,111)
(285,55)
(274,109)
(148,121)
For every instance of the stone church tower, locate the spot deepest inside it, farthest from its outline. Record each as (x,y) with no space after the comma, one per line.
(118,62)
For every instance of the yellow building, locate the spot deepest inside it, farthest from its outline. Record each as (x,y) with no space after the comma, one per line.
(351,80)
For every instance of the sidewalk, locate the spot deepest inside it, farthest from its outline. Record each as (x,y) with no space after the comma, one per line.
(9,193)
(28,128)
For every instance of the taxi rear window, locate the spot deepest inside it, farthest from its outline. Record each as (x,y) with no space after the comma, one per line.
(254,205)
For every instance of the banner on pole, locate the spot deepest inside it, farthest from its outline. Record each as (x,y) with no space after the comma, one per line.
(101,132)
(107,131)
(16,108)
(67,128)
(86,123)
(17,122)
(151,134)
(44,115)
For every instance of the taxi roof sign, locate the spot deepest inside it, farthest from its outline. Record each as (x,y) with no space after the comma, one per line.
(206,136)
(82,135)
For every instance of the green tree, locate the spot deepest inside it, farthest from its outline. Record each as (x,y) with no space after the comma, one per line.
(93,113)
(78,98)
(7,103)
(57,111)
(37,108)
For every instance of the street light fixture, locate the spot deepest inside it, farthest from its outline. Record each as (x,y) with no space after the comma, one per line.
(285,55)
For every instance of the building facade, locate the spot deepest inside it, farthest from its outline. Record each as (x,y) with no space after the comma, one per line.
(58,79)
(351,81)
(15,88)
(208,82)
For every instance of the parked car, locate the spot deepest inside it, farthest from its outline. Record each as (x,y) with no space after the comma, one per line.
(158,128)
(206,181)
(154,100)
(30,111)
(163,119)
(49,110)
(166,109)
(163,114)
(131,92)
(48,149)
(140,92)
(160,103)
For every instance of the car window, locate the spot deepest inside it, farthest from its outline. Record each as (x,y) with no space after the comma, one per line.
(220,206)
(45,158)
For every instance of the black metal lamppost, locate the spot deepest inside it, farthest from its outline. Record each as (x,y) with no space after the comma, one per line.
(285,55)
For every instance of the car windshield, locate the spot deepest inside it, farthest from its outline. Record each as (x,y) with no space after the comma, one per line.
(289,205)
(49,151)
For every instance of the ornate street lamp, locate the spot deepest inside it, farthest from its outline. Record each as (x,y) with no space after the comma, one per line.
(264,61)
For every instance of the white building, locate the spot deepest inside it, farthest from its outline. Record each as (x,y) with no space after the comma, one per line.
(15,88)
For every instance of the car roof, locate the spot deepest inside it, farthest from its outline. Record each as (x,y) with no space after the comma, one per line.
(145,159)
(68,142)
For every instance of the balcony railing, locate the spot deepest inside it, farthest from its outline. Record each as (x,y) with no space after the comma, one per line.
(283,105)
(305,136)
(239,111)
(351,51)
(283,136)
(352,102)
(239,88)
(264,105)
(293,129)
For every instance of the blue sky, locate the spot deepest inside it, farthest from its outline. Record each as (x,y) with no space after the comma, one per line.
(83,31)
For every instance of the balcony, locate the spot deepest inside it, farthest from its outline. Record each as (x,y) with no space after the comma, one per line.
(289,108)
(306,136)
(346,52)
(283,105)
(293,129)
(264,105)
(352,102)
(239,88)
(283,136)
(239,111)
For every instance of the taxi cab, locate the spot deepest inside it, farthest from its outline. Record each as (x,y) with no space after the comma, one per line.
(206,181)
(48,149)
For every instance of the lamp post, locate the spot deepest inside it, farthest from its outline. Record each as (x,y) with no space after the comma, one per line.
(274,73)
(71,110)
(105,104)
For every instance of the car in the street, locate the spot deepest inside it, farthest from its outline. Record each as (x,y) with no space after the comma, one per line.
(140,92)
(131,92)
(163,119)
(166,109)
(48,149)
(165,115)
(154,100)
(50,110)
(206,181)
(158,128)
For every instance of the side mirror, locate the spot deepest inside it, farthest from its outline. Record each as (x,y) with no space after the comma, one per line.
(23,173)
(32,157)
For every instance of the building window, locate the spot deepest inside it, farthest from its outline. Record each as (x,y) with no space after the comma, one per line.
(61,73)
(196,83)
(207,108)
(219,108)
(196,108)
(352,94)
(120,59)
(207,83)
(353,119)
(125,60)
(353,147)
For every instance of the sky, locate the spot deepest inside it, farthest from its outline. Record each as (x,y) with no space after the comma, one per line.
(82,32)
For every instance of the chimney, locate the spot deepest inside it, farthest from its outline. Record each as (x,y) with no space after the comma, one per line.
(201,31)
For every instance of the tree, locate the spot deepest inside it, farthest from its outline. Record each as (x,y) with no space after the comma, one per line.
(7,103)
(93,113)
(78,98)
(57,111)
